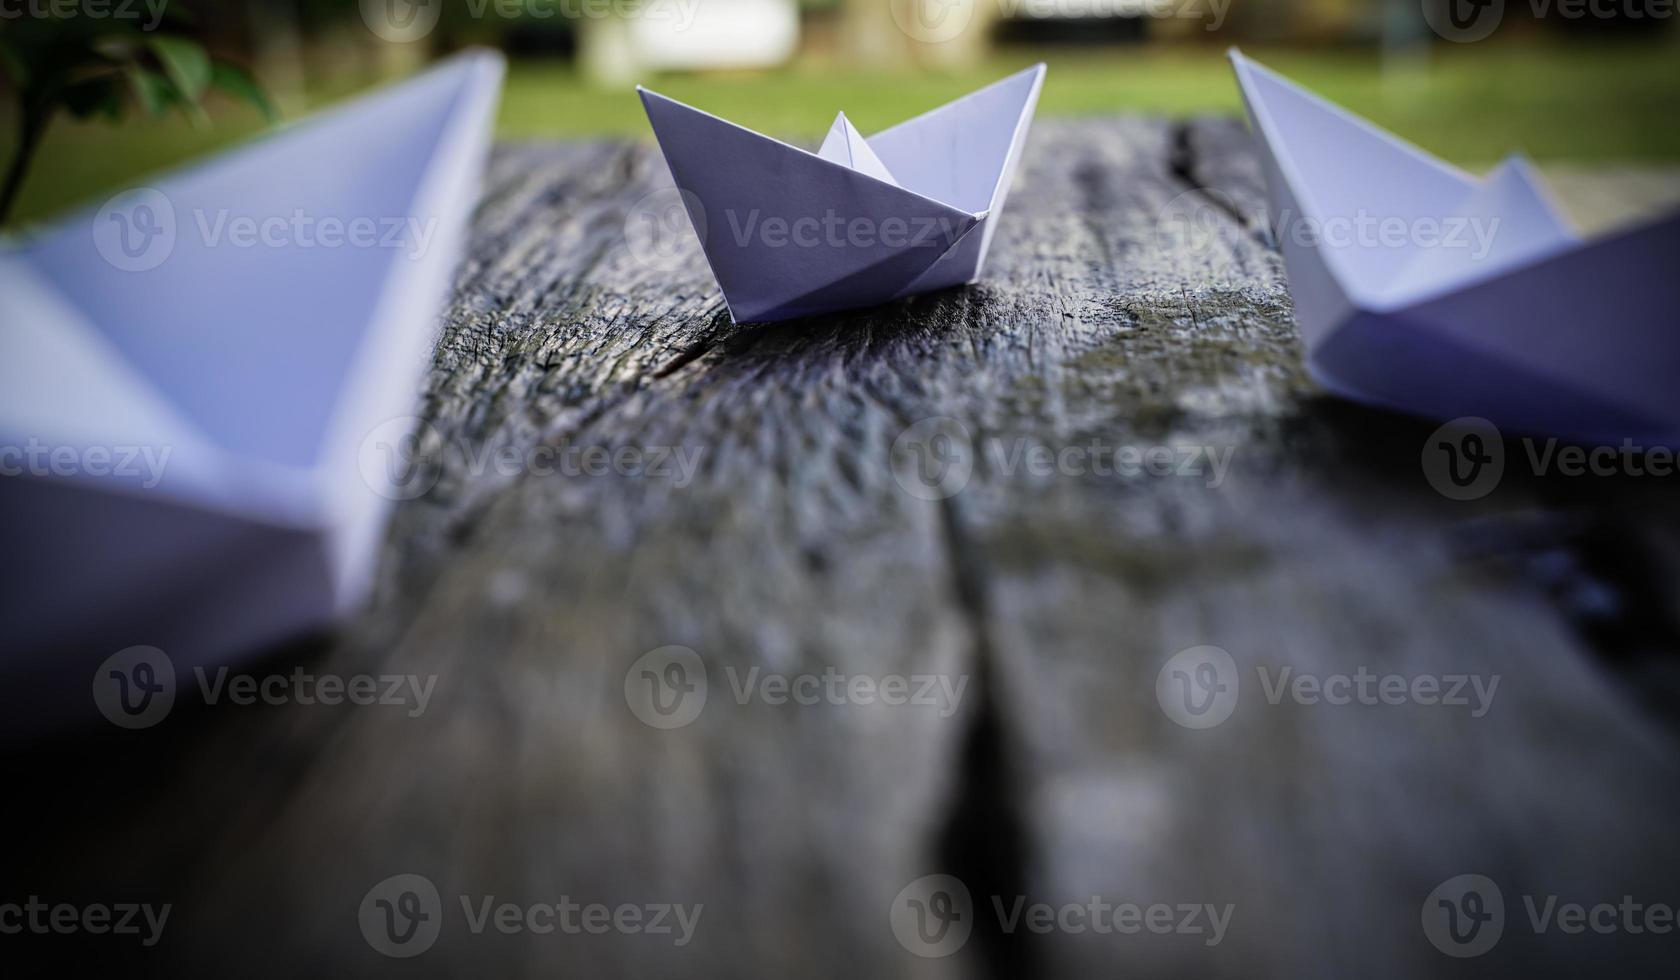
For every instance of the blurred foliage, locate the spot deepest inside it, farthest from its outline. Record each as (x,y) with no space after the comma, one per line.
(96,68)
(1472,104)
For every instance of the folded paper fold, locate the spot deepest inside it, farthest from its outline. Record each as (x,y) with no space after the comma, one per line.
(1426,290)
(790,233)
(237,330)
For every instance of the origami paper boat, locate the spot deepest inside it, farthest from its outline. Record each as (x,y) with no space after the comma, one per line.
(233,334)
(1423,289)
(789,233)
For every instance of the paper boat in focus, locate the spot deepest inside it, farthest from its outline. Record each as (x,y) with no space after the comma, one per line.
(1423,289)
(789,233)
(193,379)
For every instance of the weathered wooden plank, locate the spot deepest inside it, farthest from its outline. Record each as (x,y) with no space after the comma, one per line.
(1324,827)
(1107,321)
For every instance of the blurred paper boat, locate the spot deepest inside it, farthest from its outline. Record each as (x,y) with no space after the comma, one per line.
(200,366)
(789,233)
(1422,289)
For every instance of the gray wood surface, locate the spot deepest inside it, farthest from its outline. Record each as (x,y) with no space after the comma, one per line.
(1054,599)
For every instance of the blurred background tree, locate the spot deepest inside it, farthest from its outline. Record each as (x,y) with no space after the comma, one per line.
(98,68)
(1599,90)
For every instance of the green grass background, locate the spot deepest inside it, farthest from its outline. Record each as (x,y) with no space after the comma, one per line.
(1472,104)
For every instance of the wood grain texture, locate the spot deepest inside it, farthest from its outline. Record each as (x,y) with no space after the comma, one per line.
(1131,302)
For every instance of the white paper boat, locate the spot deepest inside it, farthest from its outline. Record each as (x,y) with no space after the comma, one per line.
(217,333)
(790,233)
(1423,289)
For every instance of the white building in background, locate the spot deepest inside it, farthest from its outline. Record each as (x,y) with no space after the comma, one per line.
(689,35)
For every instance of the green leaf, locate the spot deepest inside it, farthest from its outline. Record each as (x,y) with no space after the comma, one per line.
(185,63)
(241,84)
(96,97)
(151,90)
